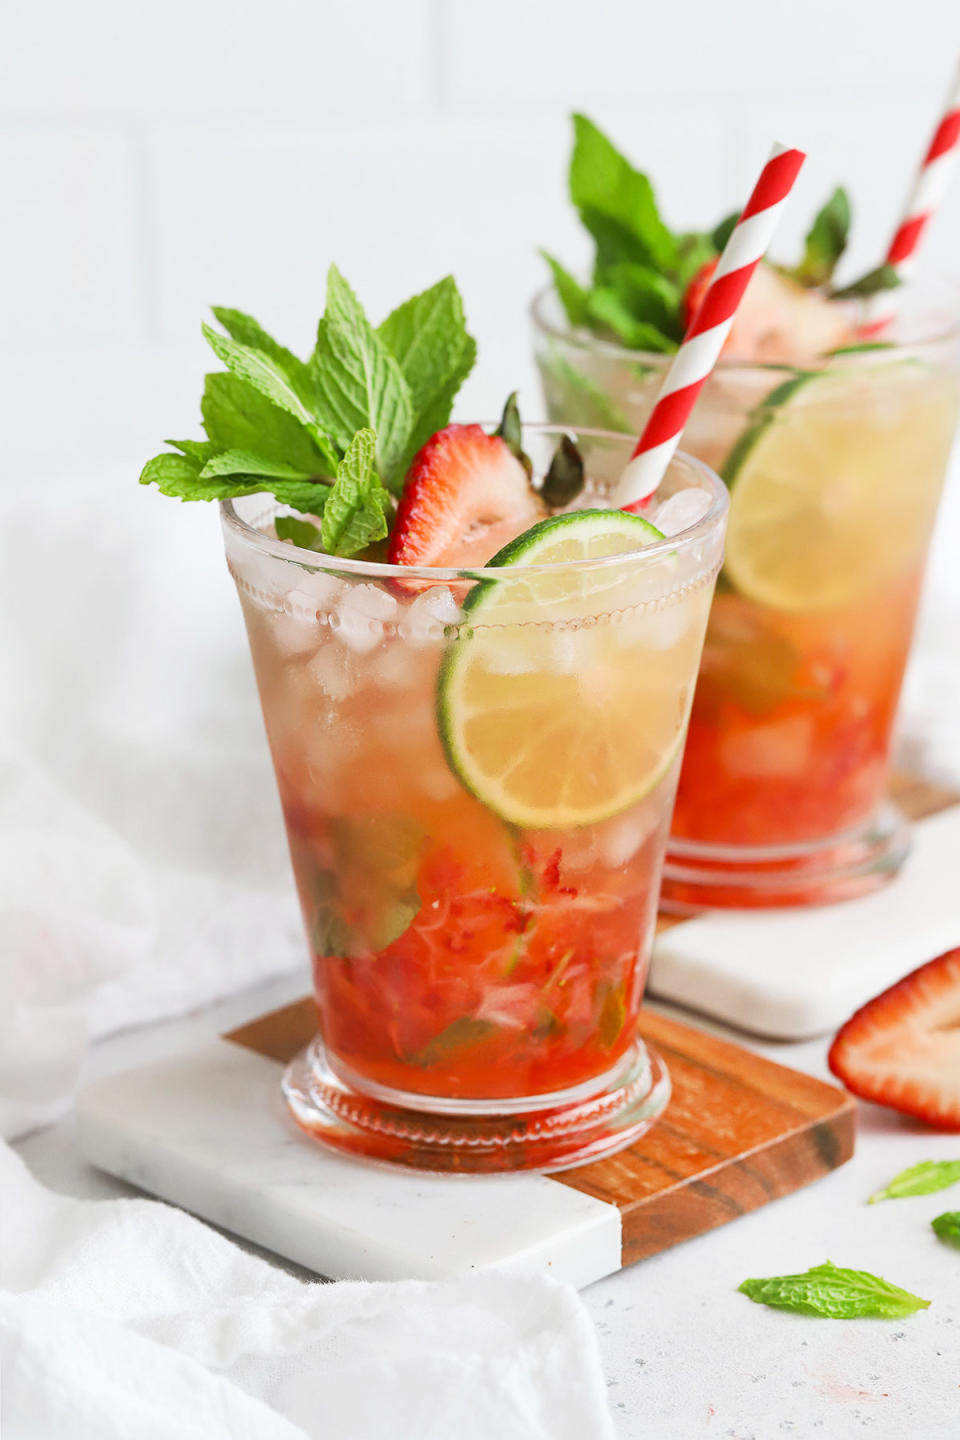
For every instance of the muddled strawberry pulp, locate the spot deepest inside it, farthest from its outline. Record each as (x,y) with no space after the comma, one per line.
(493,989)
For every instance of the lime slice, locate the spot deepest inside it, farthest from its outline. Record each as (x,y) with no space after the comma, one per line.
(550,710)
(835,486)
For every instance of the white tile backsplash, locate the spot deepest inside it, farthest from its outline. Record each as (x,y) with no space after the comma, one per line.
(67,240)
(213,58)
(155,158)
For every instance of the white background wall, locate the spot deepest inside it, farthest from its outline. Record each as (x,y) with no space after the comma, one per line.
(156,157)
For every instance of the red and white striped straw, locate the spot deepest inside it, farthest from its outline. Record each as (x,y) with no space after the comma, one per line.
(929,188)
(709,328)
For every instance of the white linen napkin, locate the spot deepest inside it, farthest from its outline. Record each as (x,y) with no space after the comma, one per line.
(128,1318)
(143,868)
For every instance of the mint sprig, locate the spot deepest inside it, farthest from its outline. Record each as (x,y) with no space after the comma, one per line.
(834,1292)
(276,423)
(924,1178)
(642,269)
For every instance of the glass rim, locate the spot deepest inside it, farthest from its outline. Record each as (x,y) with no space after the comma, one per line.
(379,570)
(585,339)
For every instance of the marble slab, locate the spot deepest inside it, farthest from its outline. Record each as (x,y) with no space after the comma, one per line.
(208,1130)
(793,974)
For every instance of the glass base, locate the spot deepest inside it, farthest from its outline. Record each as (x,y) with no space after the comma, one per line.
(545,1132)
(731,877)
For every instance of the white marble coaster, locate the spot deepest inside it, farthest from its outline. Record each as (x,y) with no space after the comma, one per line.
(208,1130)
(792,974)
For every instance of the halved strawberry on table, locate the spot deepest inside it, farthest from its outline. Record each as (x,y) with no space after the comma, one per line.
(902,1048)
(466,494)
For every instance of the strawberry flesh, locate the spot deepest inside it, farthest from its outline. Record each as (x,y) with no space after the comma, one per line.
(466,495)
(902,1048)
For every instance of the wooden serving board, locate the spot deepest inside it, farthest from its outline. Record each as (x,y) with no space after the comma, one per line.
(738,1132)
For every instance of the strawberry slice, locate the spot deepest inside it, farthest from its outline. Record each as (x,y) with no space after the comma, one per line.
(902,1049)
(466,495)
(695,291)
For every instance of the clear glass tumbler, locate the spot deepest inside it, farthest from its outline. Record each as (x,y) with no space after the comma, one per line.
(479,961)
(835,474)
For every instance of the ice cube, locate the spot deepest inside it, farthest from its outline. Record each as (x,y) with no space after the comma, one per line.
(330,668)
(425,618)
(372,601)
(620,839)
(571,651)
(685,508)
(293,635)
(655,627)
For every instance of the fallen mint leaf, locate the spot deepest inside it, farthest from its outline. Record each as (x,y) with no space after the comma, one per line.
(947,1227)
(834,1292)
(922,1179)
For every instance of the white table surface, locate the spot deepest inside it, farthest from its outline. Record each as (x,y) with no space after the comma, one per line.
(684,1354)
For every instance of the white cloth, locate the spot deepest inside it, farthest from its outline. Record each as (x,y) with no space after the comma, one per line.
(127,1318)
(143,869)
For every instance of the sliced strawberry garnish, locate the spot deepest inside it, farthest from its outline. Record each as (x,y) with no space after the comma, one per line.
(696,290)
(903,1048)
(466,495)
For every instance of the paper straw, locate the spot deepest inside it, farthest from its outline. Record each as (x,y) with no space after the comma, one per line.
(708,328)
(925,198)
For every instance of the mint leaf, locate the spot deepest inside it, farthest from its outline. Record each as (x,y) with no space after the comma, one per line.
(606,307)
(358,381)
(884,277)
(200,450)
(947,1227)
(835,1292)
(826,241)
(355,512)
(245,329)
(301,532)
(616,202)
(428,338)
(461,1034)
(244,462)
(236,416)
(922,1179)
(178,476)
(572,295)
(266,377)
(650,297)
(693,252)
(724,230)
